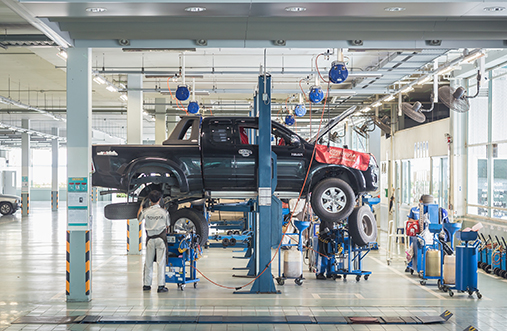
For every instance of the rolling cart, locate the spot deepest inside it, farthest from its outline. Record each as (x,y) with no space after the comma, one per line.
(301,226)
(466,265)
(183,250)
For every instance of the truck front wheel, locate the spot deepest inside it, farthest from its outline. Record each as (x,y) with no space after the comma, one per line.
(187,220)
(333,200)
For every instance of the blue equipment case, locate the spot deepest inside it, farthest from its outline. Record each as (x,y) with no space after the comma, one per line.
(182,251)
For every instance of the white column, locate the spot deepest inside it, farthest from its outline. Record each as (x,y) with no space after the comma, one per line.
(134,136)
(171,120)
(135,109)
(79,123)
(160,123)
(25,168)
(54,170)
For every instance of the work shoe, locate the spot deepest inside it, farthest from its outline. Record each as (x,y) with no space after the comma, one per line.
(146,288)
(162,289)
(321,276)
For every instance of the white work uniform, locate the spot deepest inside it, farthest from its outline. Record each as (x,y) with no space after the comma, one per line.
(156,220)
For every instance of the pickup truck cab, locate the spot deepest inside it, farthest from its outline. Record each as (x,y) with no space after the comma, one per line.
(217,157)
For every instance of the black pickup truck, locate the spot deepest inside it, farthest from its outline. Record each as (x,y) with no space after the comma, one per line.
(217,157)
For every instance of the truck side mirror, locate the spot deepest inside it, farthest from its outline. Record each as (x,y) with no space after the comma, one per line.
(295,141)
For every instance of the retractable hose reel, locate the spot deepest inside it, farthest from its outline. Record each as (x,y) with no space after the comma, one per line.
(193,106)
(182,93)
(290,120)
(338,72)
(300,109)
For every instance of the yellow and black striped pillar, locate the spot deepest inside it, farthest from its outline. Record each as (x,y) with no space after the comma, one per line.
(25,204)
(128,235)
(67,259)
(54,200)
(87,264)
(140,236)
(134,237)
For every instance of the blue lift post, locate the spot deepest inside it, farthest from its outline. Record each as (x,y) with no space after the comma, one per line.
(262,243)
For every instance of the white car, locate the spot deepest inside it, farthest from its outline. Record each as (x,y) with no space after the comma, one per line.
(9,204)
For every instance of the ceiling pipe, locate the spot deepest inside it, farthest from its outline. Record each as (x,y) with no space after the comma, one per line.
(200,73)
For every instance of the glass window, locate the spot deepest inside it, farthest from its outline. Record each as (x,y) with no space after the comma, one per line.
(500,182)
(478,118)
(420,177)
(477,179)
(499,115)
(440,181)
(405,182)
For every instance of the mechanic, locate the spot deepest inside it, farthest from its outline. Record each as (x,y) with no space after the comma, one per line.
(326,258)
(156,223)
(414,211)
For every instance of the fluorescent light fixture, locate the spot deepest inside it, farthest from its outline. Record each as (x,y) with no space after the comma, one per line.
(124,97)
(195,9)
(395,9)
(390,98)
(62,54)
(446,70)
(376,104)
(99,80)
(473,57)
(295,9)
(366,109)
(407,89)
(494,9)
(424,80)
(96,9)
(111,88)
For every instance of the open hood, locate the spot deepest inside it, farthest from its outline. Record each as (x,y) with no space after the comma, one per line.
(332,123)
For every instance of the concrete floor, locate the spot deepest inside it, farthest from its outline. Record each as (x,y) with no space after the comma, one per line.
(32,283)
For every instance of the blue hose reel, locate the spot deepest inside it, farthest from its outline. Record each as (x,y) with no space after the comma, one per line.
(316,95)
(338,72)
(300,110)
(193,107)
(182,93)
(290,120)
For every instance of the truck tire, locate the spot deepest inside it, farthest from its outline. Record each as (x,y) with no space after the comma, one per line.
(362,226)
(122,210)
(6,208)
(185,220)
(333,200)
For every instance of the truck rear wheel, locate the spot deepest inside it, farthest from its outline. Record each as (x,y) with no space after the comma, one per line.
(362,226)
(186,220)
(333,200)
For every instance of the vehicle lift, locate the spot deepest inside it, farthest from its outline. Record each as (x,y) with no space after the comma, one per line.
(268,212)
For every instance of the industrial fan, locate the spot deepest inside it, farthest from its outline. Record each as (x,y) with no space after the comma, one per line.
(365,128)
(415,111)
(457,99)
(383,124)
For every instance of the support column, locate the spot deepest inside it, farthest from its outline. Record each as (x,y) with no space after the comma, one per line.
(79,123)
(54,170)
(25,168)
(264,283)
(160,122)
(134,136)
(135,110)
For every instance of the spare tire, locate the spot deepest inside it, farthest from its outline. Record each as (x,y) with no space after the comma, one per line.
(186,220)
(362,226)
(333,200)
(122,210)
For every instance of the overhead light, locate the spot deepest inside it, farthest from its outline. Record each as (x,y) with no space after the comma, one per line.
(447,70)
(407,89)
(390,98)
(393,9)
(99,80)
(62,54)
(494,9)
(111,88)
(195,9)
(472,57)
(295,9)
(96,9)
(424,80)
(124,97)
(376,104)
(366,109)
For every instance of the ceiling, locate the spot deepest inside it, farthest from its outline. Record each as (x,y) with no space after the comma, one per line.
(223,47)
